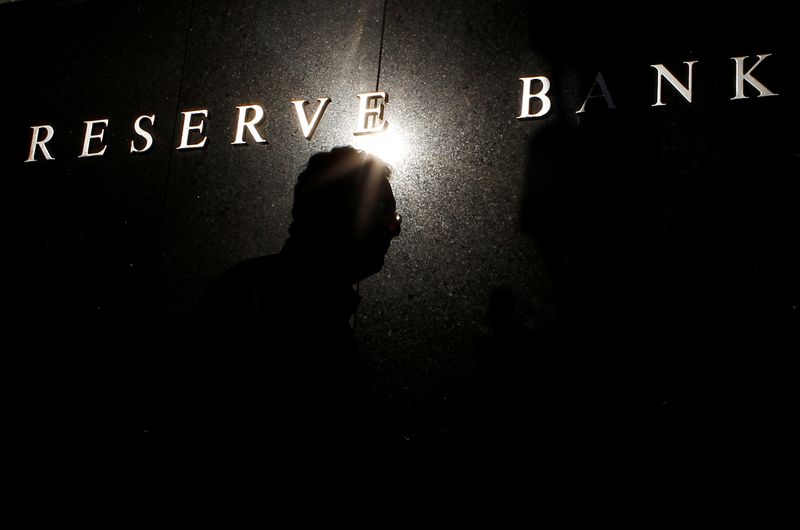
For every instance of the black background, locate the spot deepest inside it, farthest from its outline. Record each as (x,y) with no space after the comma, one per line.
(615,271)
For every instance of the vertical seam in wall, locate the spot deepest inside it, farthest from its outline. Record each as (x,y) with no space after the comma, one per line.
(380,48)
(162,214)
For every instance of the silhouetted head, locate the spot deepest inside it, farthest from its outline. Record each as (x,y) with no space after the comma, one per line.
(344,212)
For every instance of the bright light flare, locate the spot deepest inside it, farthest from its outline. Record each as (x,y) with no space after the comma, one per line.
(389,145)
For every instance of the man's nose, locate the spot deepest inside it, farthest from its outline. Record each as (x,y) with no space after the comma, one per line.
(394,225)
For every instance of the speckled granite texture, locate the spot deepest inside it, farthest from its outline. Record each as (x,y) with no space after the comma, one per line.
(626,269)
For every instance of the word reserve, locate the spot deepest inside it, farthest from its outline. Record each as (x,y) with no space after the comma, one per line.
(370,120)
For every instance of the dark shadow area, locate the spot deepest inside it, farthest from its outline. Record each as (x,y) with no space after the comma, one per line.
(666,230)
(79,245)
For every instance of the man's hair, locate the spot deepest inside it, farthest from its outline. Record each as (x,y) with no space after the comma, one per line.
(328,191)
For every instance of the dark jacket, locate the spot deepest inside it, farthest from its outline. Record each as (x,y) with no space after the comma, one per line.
(275,353)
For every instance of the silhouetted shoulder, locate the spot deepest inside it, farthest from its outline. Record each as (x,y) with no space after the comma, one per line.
(232,301)
(248,272)
(243,279)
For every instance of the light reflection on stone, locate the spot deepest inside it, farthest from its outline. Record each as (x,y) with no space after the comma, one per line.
(389,145)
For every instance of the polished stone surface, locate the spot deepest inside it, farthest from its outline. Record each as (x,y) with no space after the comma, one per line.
(617,270)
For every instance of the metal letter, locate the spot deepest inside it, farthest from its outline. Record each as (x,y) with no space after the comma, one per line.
(742,76)
(148,138)
(365,112)
(250,124)
(88,136)
(35,142)
(309,128)
(682,90)
(187,127)
(598,81)
(527,96)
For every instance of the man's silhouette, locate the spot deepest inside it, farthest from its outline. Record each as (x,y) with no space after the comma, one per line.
(272,335)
